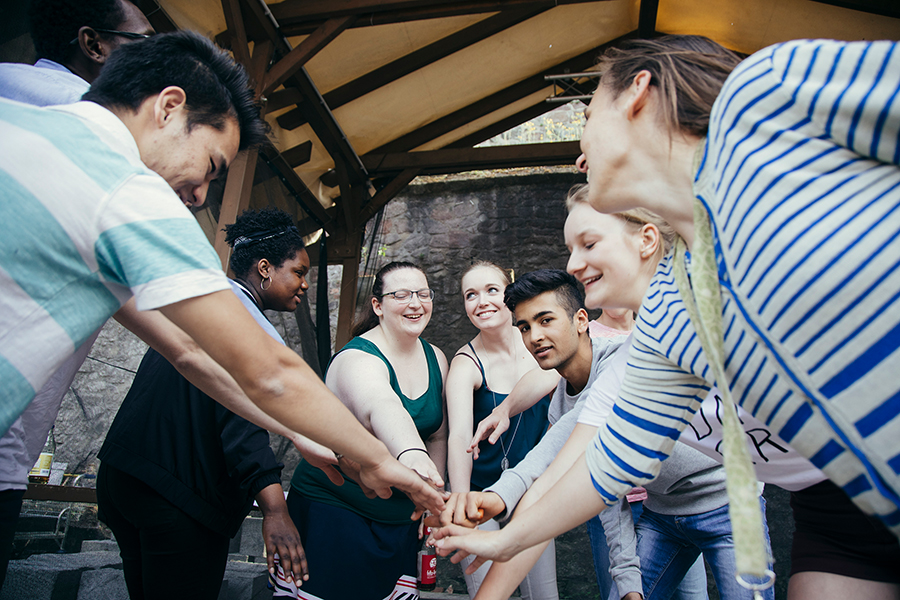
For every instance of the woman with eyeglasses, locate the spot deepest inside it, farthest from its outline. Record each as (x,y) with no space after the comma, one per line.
(358,545)
(482,374)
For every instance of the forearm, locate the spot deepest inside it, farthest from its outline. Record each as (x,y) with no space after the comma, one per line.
(503,577)
(274,377)
(459,464)
(544,520)
(271,500)
(533,386)
(437,449)
(195,365)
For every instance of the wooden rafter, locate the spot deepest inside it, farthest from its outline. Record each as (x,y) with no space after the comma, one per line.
(387,193)
(415,60)
(319,115)
(305,198)
(308,48)
(235,21)
(496,101)
(298,17)
(156,15)
(647,18)
(524,115)
(298,155)
(454,160)
(884,8)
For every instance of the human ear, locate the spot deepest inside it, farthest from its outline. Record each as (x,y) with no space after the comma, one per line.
(581,320)
(376,307)
(91,45)
(169,102)
(263,267)
(650,240)
(638,94)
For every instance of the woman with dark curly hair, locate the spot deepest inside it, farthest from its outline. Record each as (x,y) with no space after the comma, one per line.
(179,471)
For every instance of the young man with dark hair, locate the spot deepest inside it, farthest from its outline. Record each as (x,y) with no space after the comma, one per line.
(107,226)
(548,309)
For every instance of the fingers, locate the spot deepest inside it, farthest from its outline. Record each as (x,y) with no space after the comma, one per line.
(333,474)
(473,566)
(435,478)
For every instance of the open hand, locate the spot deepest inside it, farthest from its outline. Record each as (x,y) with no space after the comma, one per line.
(491,427)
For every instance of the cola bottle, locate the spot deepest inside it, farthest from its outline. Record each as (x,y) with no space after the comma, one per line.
(427,564)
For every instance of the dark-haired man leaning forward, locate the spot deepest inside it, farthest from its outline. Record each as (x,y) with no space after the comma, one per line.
(71,54)
(75,247)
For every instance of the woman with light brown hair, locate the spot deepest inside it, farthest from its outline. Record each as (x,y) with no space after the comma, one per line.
(782,178)
(482,375)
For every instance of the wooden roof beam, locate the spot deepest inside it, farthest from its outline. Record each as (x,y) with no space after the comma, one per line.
(320,117)
(299,56)
(524,115)
(387,193)
(305,198)
(496,101)
(647,18)
(299,17)
(884,8)
(455,160)
(415,60)
(156,15)
(235,22)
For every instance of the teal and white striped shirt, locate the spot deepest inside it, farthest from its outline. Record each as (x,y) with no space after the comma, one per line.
(800,177)
(84,224)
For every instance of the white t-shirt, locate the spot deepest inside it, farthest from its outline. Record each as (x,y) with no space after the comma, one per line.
(775,461)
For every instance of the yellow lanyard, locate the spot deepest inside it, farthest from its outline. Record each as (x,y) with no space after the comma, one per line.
(703,302)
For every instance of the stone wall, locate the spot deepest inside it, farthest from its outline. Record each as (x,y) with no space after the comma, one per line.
(444,227)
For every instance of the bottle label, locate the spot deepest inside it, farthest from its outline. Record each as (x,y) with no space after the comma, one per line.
(427,569)
(42,467)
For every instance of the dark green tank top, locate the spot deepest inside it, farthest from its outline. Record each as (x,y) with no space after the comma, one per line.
(427,412)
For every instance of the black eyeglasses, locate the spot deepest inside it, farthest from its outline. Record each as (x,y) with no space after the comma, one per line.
(405,296)
(125,34)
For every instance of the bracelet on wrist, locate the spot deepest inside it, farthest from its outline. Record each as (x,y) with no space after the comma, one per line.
(413,449)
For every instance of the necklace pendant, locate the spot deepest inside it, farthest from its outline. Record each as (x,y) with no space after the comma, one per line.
(504,464)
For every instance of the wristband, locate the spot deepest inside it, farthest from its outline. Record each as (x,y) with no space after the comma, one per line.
(412,449)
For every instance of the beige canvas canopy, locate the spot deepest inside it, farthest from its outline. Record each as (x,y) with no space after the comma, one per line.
(365,95)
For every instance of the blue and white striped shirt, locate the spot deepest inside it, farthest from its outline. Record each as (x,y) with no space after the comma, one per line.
(800,177)
(84,224)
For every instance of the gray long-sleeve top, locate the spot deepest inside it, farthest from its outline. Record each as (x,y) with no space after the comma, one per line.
(563,416)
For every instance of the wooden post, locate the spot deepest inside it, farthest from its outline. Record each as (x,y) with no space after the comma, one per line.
(346,248)
(235,199)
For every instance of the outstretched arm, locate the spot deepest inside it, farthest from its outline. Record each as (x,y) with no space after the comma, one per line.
(279,382)
(362,382)
(202,371)
(533,386)
(461,382)
(503,577)
(539,523)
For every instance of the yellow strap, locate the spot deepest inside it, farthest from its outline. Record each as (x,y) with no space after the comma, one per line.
(702,300)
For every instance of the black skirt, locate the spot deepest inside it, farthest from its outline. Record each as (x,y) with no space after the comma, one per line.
(350,556)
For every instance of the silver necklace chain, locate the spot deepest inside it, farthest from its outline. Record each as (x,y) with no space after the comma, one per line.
(504,462)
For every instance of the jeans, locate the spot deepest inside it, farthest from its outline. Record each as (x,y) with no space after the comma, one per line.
(165,553)
(668,545)
(691,587)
